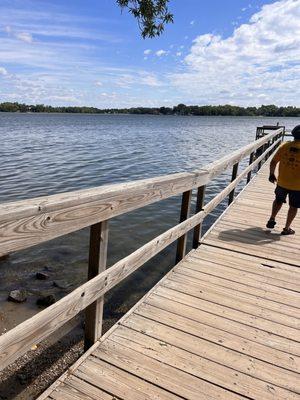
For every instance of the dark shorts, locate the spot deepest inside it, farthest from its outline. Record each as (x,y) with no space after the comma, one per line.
(282,193)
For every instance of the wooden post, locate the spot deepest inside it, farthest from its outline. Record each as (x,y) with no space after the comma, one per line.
(258,152)
(199,207)
(185,211)
(234,175)
(250,162)
(97,264)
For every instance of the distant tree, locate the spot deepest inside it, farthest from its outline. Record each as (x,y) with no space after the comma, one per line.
(152,15)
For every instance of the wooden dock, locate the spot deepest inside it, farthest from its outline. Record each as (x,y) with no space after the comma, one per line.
(222,324)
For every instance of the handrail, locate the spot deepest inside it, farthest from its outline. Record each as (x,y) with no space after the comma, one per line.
(18,340)
(27,223)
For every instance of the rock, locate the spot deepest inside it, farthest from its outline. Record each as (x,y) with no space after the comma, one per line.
(41,276)
(46,301)
(62,284)
(17,296)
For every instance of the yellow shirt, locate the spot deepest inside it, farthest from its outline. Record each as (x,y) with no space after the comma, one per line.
(288,156)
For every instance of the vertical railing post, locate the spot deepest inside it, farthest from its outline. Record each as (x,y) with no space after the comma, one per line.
(234,175)
(250,162)
(258,153)
(199,206)
(97,264)
(184,214)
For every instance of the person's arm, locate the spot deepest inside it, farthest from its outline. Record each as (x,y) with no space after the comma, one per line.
(272,176)
(273,163)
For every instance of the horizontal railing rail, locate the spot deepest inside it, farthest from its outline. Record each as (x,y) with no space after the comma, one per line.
(21,222)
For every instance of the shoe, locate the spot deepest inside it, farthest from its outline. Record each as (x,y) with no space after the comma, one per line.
(288,231)
(271,223)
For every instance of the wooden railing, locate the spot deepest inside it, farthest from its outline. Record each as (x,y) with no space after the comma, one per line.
(29,222)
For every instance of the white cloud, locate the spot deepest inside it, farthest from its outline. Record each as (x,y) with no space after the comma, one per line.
(149,80)
(192,23)
(98,83)
(147,52)
(3,71)
(178,54)
(160,53)
(261,57)
(24,36)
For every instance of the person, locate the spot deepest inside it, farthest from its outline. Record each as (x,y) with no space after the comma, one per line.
(288,181)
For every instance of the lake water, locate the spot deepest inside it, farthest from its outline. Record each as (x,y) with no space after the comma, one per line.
(43,154)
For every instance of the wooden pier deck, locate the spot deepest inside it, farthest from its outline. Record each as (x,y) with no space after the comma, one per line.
(222,324)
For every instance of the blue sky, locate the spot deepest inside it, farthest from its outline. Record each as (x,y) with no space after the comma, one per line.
(89,53)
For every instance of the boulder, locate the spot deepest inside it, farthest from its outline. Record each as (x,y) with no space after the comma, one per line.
(17,296)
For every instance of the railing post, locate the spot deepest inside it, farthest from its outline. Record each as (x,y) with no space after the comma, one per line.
(184,214)
(199,207)
(97,264)
(250,162)
(234,175)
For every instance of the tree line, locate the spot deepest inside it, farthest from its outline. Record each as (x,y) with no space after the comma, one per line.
(181,109)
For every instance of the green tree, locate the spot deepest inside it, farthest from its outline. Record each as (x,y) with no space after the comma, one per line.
(152,15)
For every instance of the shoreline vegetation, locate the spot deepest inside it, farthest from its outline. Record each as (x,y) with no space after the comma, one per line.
(181,109)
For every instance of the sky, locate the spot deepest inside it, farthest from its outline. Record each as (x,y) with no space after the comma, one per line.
(87,52)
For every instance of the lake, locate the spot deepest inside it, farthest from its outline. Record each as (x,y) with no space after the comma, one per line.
(43,154)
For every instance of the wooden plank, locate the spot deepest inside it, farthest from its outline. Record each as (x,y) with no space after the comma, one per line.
(281,348)
(270,310)
(184,214)
(174,380)
(219,336)
(256,266)
(220,375)
(215,352)
(97,264)
(89,391)
(118,382)
(255,250)
(233,282)
(252,283)
(247,314)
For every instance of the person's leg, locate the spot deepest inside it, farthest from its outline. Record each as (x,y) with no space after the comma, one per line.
(275,209)
(294,200)
(290,217)
(277,204)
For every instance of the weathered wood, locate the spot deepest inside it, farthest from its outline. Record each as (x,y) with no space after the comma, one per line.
(221,325)
(184,214)
(18,340)
(97,264)
(30,222)
(250,162)
(27,223)
(233,177)
(21,338)
(199,207)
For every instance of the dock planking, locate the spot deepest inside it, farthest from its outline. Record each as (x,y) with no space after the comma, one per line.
(222,324)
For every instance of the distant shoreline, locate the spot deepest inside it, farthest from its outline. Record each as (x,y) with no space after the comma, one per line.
(180,109)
